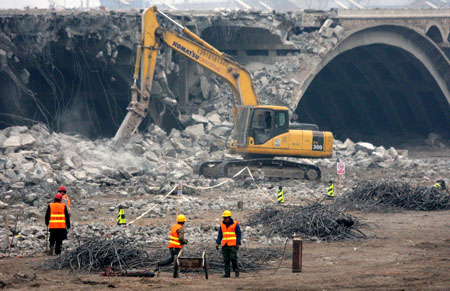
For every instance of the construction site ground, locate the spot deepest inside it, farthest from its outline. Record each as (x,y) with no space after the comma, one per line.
(411,251)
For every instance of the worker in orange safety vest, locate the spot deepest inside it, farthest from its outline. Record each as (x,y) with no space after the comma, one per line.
(65,198)
(230,236)
(176,241)
(57,220)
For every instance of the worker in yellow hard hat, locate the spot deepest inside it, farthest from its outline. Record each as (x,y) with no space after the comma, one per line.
(230,236)
(176,240)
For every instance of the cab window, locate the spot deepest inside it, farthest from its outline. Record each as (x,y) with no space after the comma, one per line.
(280,119)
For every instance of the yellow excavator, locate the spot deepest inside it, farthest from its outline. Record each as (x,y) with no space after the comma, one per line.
(261,132)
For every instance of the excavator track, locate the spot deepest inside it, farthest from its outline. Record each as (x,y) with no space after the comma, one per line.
(271,168)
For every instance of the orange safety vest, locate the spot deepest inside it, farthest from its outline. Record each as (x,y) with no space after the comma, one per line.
(66,202)
(174,241)
(229,234)
(57,216)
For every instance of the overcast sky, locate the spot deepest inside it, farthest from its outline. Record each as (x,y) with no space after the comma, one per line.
(20,4)
(6,4)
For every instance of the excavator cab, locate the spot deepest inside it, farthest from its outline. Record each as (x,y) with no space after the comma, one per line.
(258,125)
(268,123)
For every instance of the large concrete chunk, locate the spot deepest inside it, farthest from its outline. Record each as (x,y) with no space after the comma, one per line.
(195,130)
(204,85)
(27,139)
(2,139)
(12,142)
(199,119)
(3,205)
(365,147)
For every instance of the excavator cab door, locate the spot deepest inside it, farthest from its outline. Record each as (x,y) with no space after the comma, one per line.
(243,118)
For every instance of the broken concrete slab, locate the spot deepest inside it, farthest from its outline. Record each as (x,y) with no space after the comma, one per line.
(214,118)
(365,147)
(195,131)
(3,205)
(199,119)
(26,139)
(12,142)
(205,88)
(338,31)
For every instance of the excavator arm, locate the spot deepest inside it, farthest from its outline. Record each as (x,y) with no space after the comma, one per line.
(197,50)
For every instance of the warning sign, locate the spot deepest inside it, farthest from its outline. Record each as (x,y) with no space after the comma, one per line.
(340,168)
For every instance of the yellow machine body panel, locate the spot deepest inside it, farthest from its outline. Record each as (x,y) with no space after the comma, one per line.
(296,143)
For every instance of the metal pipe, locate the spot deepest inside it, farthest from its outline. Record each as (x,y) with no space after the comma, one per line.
(170,19)
(191,34)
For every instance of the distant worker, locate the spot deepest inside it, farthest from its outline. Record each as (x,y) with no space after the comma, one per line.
(440,185)
(57,220)
(176,240)
(230,236)
(65,198)
(330,193)
(280,195)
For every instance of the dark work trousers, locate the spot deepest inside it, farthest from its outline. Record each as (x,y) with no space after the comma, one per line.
(173,253)
(230,255)
(57,244)
(56,238)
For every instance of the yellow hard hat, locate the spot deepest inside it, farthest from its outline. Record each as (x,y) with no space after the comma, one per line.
(181,218)
(226,213)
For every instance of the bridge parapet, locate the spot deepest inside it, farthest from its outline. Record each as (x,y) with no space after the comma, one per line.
(418,19)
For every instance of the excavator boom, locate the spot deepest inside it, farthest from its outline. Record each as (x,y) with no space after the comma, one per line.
(198,51)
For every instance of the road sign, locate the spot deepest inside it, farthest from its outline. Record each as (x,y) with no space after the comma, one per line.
(340,168)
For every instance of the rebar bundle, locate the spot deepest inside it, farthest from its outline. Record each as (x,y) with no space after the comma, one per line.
(372,195)
(97,254)
(313,221)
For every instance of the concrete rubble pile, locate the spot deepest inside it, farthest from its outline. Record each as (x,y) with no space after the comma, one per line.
(102,175)
(33,162)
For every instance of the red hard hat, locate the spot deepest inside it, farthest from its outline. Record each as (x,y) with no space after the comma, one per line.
(62,188)
(58,196)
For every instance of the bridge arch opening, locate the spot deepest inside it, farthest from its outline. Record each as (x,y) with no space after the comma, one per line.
(375,87)
(435,34)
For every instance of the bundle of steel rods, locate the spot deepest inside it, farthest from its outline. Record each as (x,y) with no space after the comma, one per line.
(97,254)
(314,221)
(372,195)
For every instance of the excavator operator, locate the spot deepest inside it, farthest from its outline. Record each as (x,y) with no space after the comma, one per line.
(262,127)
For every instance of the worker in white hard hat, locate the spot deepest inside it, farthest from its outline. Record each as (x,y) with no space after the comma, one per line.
(230,237)
(176,240)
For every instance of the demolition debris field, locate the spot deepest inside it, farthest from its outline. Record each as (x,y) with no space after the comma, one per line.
(411,252)
(387,247)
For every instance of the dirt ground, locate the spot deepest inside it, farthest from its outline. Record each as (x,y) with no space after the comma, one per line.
(411,252)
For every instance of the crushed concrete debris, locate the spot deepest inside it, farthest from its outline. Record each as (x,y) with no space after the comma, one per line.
(147,167)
